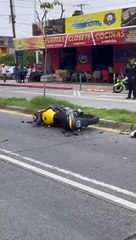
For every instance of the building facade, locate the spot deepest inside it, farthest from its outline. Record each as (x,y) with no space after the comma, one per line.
(89,42)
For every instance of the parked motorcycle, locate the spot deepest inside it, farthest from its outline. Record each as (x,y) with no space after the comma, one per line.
(122,83)
(64,117)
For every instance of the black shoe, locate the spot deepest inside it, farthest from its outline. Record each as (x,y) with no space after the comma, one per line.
(128,97)
(134,98)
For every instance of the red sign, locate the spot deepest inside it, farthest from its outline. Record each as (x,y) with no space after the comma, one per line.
(79,39)
(113,36)
(56,41)
(109,36)
(69,40)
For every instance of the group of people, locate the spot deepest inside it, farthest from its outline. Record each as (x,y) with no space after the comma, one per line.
(130,72)
(20,73)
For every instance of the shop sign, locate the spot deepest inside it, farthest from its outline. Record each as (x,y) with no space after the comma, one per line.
(109,37)
(79,39)
(101,20)
(115,36)
(29,43)
(56,41)
(130,36)
(19,55)
(93,21)
(128,17)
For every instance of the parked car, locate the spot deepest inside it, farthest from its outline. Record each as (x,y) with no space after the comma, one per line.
(10,72)
(36,72)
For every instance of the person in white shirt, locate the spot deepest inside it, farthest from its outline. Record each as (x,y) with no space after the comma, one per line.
(4,72)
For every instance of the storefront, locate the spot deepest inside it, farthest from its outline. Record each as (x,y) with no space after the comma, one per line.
(98,41)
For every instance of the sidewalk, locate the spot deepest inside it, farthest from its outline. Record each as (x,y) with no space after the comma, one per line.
(62,86)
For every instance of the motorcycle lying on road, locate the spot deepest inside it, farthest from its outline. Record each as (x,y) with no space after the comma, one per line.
(122,83)
(64,117)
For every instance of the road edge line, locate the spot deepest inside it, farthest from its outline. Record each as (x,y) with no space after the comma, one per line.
(78,186)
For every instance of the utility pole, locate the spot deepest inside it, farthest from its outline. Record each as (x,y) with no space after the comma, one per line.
(35,19)
(12,19)
(81,5)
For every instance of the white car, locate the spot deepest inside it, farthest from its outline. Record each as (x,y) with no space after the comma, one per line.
(10,72)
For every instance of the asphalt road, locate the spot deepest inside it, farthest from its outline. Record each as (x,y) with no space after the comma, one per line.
(58,187)
(82,98)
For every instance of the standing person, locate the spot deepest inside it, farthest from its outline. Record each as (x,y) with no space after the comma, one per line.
(22,74)
(4,72)
(28,75)
(16,73)
(131,74)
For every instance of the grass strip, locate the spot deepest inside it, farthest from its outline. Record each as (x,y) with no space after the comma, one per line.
(119,115)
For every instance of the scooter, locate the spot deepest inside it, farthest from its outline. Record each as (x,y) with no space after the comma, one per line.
(64,117)
(121,84)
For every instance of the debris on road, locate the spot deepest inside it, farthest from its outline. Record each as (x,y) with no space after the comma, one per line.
(125,132)
(4,140)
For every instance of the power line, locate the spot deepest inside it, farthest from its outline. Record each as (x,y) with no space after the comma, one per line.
(81,5)
(24,24)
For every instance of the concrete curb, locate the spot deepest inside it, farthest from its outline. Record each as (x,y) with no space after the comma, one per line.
(117,125)
(128,127)
(33,86)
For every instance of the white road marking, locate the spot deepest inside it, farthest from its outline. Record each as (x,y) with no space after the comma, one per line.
(91,191)
(76,93)
(75,96)
(73,174)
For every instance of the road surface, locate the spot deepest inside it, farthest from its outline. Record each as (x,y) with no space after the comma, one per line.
(57,187)
(82,98)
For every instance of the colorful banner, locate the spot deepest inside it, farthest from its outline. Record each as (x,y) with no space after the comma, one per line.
(115,36)
(93,21)
(33,43)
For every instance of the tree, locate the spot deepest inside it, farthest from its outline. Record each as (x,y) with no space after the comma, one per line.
(47,6)
(28,58)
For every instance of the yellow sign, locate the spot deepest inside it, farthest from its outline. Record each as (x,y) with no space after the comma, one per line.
(93,21)
(29,43)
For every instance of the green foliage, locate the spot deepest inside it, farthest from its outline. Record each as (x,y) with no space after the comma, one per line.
(41,102)
(119,115)
(47,6)
(8,60)
(29,58)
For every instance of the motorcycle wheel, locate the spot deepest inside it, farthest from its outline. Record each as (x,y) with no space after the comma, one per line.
(117,89)
(88,119)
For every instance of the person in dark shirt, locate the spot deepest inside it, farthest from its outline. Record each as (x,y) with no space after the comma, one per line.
(131,74)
